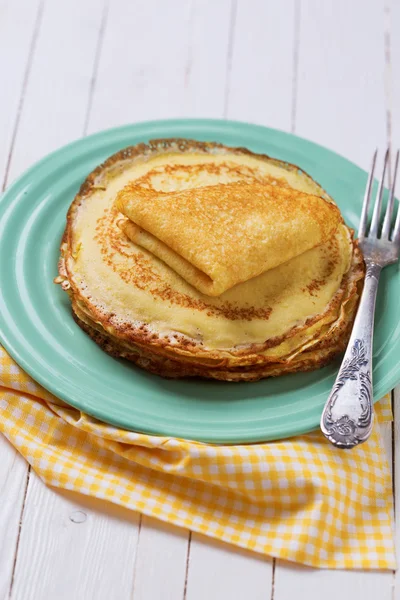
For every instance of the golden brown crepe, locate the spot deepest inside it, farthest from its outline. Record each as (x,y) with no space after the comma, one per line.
(295,316)
(218,236)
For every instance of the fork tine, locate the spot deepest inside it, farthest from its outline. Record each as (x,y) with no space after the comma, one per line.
(378,202)
(396,230)
(389,210)
(367,196)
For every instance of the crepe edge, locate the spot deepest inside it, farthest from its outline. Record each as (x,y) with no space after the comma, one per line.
(180,345)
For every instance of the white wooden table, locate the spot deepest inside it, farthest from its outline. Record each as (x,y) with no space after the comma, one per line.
(328,70)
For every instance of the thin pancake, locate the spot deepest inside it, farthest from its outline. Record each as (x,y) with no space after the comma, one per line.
(139,304)
(218,236)
(327,333)
(316,353)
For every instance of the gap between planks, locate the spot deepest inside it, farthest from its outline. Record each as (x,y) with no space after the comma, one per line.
(296,49)
(187,565)
(30,57)
(97,56)
(30,61)
(35,35)
(19,530)
(229,58)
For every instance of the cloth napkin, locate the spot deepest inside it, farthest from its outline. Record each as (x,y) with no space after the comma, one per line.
(298,499)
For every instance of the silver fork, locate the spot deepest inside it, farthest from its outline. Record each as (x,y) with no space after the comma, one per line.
(347,418)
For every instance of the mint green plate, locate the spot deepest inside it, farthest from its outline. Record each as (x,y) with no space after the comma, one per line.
(38,330)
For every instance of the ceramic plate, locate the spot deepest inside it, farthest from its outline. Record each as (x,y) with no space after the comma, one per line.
(38,330)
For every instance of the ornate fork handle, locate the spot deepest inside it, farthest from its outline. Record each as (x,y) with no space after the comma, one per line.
(348,415)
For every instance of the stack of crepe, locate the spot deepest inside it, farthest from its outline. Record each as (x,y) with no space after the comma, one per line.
(196,259)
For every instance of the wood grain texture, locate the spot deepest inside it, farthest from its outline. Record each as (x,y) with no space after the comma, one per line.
(13,481)
(341,94)
(160,567)
(59,556)
(393,82)
(331,585)
(396,474)
(161,60)
(19,28)
(74,547)
(262,70)
(58,88)
(216,572)
(206,67)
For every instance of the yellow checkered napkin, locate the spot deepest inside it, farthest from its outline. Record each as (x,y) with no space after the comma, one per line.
(298,499)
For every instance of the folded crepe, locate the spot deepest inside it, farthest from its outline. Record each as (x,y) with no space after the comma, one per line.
(218,236)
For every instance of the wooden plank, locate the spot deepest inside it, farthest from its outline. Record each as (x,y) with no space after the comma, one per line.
(142,63)
(102,543)
(13,482)
(150,556)
(161,561)
(340,104)
(393,83)
(217,571)
(262,71)
(292,580)
(19,26)
(59,85)
(205,72)
(341,94)
(396,471)
(161,63)
(74,547)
